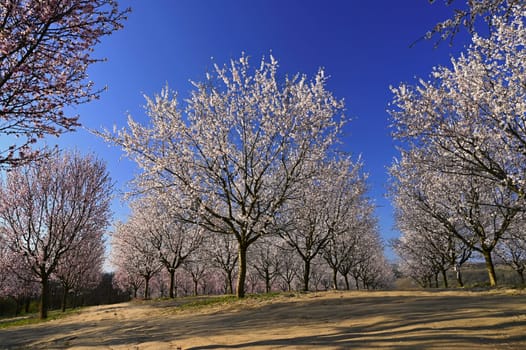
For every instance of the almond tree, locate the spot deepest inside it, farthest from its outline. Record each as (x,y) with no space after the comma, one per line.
(81,268)
(222,250)
(240,150)
(511,250)
(470,119)
(134,255)
(50,208)
(475,210)
(172,239)
(321,210)
(466,16)
(265,260)
(45,50)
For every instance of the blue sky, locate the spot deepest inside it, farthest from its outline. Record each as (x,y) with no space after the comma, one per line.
(363,45)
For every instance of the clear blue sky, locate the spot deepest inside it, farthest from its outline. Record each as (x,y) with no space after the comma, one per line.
(363,45)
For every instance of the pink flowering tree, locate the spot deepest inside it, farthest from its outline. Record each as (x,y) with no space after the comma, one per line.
(81,269)
(133,254)
(45,50)
(239,152)
(50,208)
(174,240)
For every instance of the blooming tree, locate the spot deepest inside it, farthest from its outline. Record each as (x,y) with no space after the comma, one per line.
(466,16)
(477,211)
(81,269)
(472,116)
(134,255)
(222,251)
(321,210)
(45,51)
(265,260)
(50,208)
(173,239)
(240,150)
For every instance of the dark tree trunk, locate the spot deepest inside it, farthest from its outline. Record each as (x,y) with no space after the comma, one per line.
(347,284)
(267,281)
(44,297)
(172,283)
(242,273)
(27,301)
(64,297)
(521,275)
(444,277)
(229,282)
(147,287)
(306,275)
(459,277)
(335,279)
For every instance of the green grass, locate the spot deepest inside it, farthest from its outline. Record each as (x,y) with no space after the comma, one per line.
(34,319)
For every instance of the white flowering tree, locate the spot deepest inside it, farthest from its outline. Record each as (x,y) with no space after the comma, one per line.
(465,133)
(322,209)
(134,256)
(239,151)
(467,14)
(472,115)
(476,210)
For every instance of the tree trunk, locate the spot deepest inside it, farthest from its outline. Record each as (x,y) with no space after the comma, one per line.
(44,297)
(347,284)
(490,268)
(444,277)
(306,275)
(335,279)
(27,304)
(64,297)
(521,275)
(267,282)
(146,287)
(172,283)
(459,277)
(229,281)
(242,270)
(196,285)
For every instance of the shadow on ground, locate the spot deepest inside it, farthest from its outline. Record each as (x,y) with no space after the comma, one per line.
(341,321)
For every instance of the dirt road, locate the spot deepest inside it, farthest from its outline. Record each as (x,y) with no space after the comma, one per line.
(332,320)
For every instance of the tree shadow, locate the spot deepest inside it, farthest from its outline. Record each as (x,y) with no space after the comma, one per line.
(380,322)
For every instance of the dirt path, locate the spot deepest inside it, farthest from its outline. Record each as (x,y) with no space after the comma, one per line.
(335,320)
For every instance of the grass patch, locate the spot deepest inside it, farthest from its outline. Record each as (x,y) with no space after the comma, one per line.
(34,319)
(202,302)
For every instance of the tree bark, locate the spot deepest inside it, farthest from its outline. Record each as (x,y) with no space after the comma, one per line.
(490,267)
(147,287)
(459,277)
(172,283)
(242,273)
(64,297)
(335,279)
(230,288)
(44,297)
(444,277)
(306,275)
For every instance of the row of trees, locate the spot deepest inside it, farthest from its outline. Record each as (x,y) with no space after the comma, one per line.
(250,158)
(460,184)
(327,231)
(53,216)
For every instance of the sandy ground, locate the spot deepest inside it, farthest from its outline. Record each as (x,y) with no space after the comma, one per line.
(333,320)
